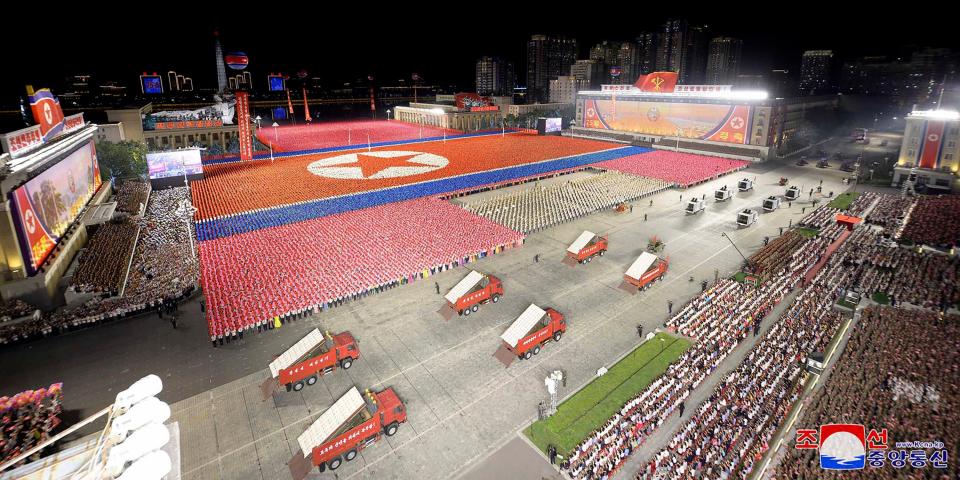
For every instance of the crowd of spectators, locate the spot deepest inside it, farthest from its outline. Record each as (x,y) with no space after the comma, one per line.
(131,197)
(684,169)
(934,221)
(825,215)
(27,419)
(102,265)
(774,256)
(538,207)
(891,212)
(908,362)
(164,269)
(256,279)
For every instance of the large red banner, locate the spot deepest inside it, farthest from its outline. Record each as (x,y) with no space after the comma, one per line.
(243,123)
(657,82)
(932,141)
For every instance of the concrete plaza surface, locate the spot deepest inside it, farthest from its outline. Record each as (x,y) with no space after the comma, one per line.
(463,405)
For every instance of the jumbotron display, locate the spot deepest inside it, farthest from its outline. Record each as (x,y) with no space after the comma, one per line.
(49,203)
(715,122)
(175,163)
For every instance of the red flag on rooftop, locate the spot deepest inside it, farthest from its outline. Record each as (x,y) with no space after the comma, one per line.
(661,82)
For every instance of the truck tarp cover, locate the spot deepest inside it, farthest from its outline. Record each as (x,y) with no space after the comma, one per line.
(581,241)
(522,325)
(338,413)
(294,353)
(464,286)
(641,265)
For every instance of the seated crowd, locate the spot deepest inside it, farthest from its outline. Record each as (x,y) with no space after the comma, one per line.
(163,270)
(908,362)
(131,197)
(252,281)
(684,169)
(27,419)
(891,212)
(102,264)
(825,215)
(934,221)
(719,319)
(538,207)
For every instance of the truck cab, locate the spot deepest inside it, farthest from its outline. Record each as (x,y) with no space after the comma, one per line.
(793,193)
(771,203)
(745,184)
(694,206)
(746,217)
(722,194)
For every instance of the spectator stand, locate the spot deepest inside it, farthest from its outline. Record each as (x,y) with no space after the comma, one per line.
(131,197)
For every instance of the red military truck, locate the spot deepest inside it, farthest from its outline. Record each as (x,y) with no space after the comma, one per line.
(645,270)
(315,354)
(532,329)
(351,424)
(476,288)
(586,246)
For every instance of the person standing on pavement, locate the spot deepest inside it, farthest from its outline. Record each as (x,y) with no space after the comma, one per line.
(669,307)
(437,286)
(682,408)
(552,451)
(640,330)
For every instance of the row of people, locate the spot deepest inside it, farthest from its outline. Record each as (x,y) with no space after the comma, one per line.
(131,197)
(293,138)
(251,279)
(934,221)
(907,360)
(891,212)
(538,207)
(825,215)
(683,169)
(774,256)
(27,419)
(102,265)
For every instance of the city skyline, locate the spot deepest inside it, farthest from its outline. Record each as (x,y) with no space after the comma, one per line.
(389,55)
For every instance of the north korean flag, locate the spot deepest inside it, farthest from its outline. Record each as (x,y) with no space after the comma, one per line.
(46,112)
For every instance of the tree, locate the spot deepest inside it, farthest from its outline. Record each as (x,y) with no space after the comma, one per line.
(127,159)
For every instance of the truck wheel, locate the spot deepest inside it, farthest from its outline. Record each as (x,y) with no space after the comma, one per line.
(297,386)
(350,455)
(475,308)
(496,298)
(557,335)
(602,252)
(527,355)
(580,262)
(589,258)
(466,312)
(391,429)
(346,363)
(335,463)
(322,467)
(312,380)
(536,350)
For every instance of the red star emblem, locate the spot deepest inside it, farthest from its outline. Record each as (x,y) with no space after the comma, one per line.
(371,165)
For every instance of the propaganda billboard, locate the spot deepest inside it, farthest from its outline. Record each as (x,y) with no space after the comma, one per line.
(46,205)
(714,122)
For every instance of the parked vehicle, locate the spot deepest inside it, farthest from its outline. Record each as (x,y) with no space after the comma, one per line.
(746,217)
(314,355)
(771,203)
(793,193)
(645,270)
(722,194)
(694,206)
(745,184)
(534,328)
(587,246)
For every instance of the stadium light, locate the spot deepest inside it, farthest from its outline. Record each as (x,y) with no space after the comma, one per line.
(143,441)
(936,114)
(146,411)
(436,111)
(152,466)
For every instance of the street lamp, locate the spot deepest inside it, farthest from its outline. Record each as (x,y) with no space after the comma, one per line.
(678,139)
(275,125)
(724,235)
(388,114)
(257,119)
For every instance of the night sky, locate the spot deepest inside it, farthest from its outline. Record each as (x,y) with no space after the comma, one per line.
(438,41)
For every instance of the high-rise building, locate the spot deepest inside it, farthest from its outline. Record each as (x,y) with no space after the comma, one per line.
(590,74)
(605,52)
(815,72)
(563,89)
(647,52)
(682,48)
(221,68)
(915,78)
(628,59)
(723,60)
(173,84)
(494,76)
(548,57)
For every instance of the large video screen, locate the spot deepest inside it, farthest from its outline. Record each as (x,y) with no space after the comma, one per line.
(715,122)
(553,125)
(276,83)
(151,83)
(49,203)
(175,163)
